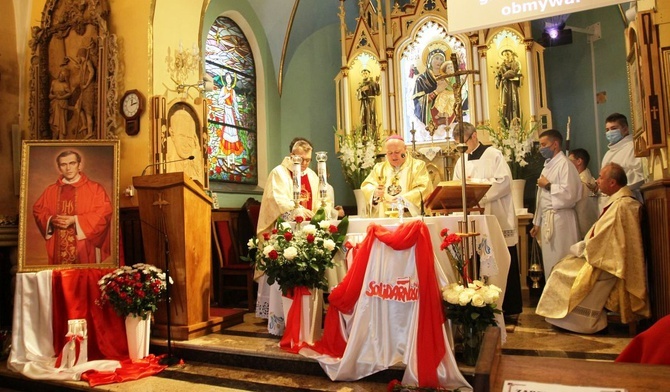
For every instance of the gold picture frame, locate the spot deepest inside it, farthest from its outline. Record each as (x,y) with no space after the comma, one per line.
(636,93)
(63,226)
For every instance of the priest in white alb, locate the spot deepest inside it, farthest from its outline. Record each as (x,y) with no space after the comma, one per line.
(486,164)
(606,270)
(278,202)
(400,182)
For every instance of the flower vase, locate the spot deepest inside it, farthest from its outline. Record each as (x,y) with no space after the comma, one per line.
(518,187)
(472,342)
(311,315)
(361,203)
(138,333)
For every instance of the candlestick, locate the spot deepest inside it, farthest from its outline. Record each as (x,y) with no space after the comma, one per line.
(321,158)
(567,135)
(296,179)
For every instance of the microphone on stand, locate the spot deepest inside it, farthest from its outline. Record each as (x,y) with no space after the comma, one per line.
(190,158)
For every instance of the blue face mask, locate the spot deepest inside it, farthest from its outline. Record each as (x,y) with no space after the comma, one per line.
(546,152)
(613,136)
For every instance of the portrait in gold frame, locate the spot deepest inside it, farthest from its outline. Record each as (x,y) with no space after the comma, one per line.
(69,226)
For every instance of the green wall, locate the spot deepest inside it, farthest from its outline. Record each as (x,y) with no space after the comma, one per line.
(308,102)
(569,80)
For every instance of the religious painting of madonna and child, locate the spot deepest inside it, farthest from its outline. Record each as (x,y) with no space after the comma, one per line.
(232,112)
(427,90)
(69,205)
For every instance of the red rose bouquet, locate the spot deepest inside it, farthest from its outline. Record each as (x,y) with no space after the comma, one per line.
(133,290)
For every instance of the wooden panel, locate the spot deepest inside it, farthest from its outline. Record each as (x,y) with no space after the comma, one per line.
(176,216)
(131,235)
(579,372)
(656,195)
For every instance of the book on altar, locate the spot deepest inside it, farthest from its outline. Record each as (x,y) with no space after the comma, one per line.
(447,195)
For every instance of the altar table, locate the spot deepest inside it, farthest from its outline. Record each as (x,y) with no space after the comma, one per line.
(494,255)
(388,310)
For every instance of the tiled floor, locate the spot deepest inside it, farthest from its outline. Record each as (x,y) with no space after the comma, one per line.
(245,358)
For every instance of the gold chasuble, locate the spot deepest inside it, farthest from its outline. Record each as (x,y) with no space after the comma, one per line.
(410,181)
(613,244)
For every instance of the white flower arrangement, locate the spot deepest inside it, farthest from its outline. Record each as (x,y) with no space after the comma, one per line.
(515,140)
(357,154)
(472,305)
(476,294)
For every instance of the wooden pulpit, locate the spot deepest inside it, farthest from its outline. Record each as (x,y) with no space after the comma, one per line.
(176,217)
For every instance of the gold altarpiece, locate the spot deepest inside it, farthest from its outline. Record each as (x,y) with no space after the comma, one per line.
(393,77)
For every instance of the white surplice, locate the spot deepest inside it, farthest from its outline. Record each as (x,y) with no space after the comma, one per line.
(555,212)
(492,168)
(623,153)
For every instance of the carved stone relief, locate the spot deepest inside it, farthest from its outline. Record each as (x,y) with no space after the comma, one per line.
(73,72)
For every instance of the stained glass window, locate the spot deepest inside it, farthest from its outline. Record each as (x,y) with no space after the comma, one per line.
(232,114)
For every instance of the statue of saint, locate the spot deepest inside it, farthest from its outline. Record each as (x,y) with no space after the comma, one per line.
(508,80)
(367,90)
(59,95)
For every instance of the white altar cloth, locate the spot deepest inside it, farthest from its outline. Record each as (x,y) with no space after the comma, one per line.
(32,351)
(494,256)
(398,292)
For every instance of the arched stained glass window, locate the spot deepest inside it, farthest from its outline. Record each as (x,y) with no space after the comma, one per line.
(232,115)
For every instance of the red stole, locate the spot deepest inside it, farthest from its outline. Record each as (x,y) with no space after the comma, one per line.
(305,192)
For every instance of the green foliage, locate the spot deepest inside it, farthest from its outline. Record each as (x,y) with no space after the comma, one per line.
(299,255)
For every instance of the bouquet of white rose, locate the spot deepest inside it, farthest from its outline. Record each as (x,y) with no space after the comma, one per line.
(472,304)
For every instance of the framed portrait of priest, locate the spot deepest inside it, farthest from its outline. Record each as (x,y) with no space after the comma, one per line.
(69,205)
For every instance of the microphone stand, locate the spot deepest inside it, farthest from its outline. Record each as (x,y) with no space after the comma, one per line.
(168,360)
(190,158)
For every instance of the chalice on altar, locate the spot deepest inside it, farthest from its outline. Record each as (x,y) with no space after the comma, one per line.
(535,273)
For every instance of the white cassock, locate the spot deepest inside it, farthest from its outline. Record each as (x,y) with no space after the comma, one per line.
(492,168)
(623,153)
(555,212)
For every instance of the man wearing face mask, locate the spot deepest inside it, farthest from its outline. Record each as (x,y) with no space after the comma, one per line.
(622,151)
(558,190)
(399,179)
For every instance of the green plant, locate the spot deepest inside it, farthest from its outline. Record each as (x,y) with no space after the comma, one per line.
(300,255)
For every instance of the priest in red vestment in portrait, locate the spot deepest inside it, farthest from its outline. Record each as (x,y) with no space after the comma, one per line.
(74,215)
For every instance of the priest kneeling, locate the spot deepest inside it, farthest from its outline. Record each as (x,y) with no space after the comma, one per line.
(606,270)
